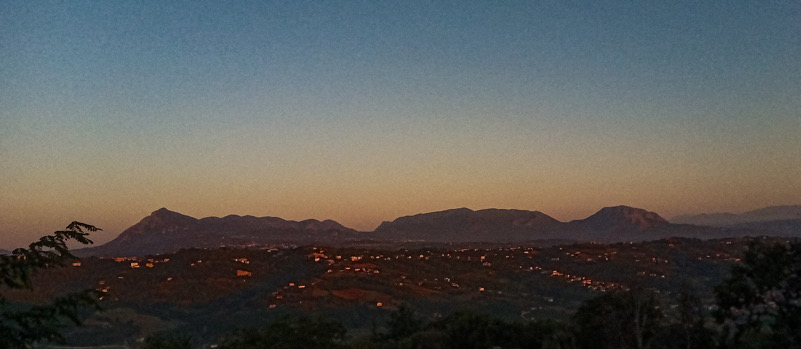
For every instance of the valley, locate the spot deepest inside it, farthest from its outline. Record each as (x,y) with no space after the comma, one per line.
(209,292)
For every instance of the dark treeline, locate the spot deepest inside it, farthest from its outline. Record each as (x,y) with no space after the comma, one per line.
(757,306)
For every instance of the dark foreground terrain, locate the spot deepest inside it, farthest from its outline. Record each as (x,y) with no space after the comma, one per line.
(207,293)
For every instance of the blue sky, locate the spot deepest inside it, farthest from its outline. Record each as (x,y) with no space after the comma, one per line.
(365,111)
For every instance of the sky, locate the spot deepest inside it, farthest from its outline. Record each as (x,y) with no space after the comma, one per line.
(364,111)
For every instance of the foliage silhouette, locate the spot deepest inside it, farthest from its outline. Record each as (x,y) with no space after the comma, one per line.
(403,323)
(465,329)
(687,325)
(289,333)
(623,319)
(23,325)
(160,341)
(760,302)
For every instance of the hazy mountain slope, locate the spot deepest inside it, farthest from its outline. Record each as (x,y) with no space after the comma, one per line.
(786,227)
(772,213)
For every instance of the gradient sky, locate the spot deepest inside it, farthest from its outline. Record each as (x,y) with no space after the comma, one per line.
(363,111)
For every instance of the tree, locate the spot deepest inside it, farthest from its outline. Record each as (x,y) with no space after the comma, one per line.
(403,323)
(287,333)
(687,328)
(761,300)
(625,319)
(465,329)
(405,330)
(546,334)
(23,325)
(160,341)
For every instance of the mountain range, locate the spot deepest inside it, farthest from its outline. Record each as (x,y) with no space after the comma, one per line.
(767,214)
(610,224)
(166,231)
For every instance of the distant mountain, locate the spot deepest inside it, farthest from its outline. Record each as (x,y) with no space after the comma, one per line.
(493,225)
(167,231)
(2,251)
(785,227)
(772,213)
(610,224)
(463,224)
(619,223)
(622,217)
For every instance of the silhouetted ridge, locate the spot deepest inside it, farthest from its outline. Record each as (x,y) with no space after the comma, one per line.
(463,224)
(163,219)
(167,231)
(610,224)
(623,217)
(766,214)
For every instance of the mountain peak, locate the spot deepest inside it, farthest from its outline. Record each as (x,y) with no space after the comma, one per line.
(615,216)
(165,217)
(164,220)
(163,212)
